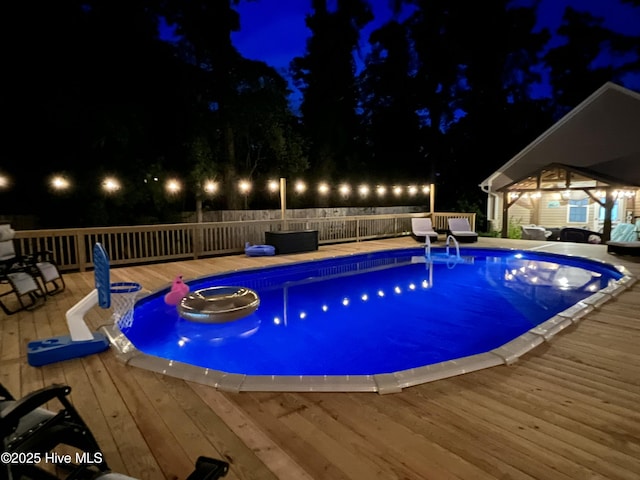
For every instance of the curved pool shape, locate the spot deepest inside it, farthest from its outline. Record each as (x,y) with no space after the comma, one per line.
(372,322)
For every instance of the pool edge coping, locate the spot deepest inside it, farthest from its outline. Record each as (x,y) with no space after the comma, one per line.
(385,383)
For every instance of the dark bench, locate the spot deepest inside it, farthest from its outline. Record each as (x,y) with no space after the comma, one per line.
(292,241)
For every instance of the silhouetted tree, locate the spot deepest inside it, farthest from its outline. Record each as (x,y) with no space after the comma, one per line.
(389,110)
(326,78)
(574,73)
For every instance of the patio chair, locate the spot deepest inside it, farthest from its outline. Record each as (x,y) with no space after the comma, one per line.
(534,232)
(30,430)
(579,235)
(16,278)
(422,228)
(624,240)
(461,230)
(40,265)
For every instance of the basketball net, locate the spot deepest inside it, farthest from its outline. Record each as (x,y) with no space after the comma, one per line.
(123,298)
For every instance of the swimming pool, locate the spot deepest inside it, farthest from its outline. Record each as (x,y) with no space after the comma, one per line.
(375,322)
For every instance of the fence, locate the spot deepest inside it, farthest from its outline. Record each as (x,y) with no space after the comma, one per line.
(73,248)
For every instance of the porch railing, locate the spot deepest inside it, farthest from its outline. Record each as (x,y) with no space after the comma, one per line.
(126,245)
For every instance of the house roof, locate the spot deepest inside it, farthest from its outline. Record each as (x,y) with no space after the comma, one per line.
(601,134)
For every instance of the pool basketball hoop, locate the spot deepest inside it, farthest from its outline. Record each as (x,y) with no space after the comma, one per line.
(123,298)
(119,295)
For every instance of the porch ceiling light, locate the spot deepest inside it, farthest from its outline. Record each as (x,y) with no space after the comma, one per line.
(624,193)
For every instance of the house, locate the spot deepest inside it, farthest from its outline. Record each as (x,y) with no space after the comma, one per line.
(582,172)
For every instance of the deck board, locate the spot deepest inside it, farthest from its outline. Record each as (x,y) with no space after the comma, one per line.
(566,410)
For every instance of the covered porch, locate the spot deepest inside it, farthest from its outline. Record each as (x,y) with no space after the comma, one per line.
(558,195)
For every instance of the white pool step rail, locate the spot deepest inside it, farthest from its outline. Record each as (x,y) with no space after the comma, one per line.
(450,239)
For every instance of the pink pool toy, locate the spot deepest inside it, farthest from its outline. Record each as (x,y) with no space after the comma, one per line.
(179,290)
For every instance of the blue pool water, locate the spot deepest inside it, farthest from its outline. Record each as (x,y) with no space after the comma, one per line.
(371,313)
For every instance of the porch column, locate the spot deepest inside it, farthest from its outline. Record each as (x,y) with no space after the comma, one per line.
(609,202)
(505,214)
(283,202)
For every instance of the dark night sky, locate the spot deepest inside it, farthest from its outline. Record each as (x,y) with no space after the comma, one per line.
(274,30)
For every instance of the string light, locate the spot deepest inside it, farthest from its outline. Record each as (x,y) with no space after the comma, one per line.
(210,187)
(58,182)
(273,186)
(344,189)
(244,186)
(300,186)
(323,189)
(173,186)
(110,185)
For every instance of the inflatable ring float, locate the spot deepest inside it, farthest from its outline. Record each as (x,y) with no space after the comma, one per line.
(259,250)
(218,304)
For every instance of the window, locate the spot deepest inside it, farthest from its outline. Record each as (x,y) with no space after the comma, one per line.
(578,210)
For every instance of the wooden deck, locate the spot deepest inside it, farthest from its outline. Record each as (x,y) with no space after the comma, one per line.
(567,410)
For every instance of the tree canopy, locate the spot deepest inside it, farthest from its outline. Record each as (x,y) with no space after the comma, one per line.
(445,91)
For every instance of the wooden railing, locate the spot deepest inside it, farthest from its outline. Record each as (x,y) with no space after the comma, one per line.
(73,248)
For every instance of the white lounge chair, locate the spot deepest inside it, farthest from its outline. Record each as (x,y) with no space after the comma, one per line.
(461,230)
(534,232)
(421,228)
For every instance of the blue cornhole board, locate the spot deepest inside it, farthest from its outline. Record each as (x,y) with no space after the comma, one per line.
(57,349)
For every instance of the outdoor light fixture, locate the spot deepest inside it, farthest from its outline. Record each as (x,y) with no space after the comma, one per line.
(397,191)
(173,186)
(363,190)
(4,181)
(344,189)
(210,187)
(244,186)
(381,190)
(426,189)
(623,193)
(273,186)
(59,182)
(413,190)
(110,185)
(300,187)
(323,189)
